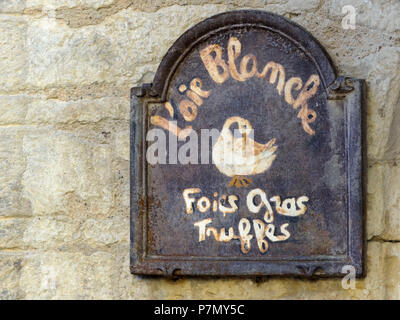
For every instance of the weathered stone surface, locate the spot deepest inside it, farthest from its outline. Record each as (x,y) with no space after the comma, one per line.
(383,200)
(29,6)
(12,232)
(66,174)
(113,51)
(34,110)
(107,231)
(13,109)
(375,202)
(122,188)
(10,273)
(122,144)
(10,6)
(391,200)
(12,166)
(383,103)
(63,233)
(80,111)
(101,8)
(50,232)
(68,275)
(95,4)
(392,271)
(67,67)
(374,15)
(13,56)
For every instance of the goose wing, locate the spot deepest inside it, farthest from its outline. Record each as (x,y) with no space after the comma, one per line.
(269,146)
(244,146)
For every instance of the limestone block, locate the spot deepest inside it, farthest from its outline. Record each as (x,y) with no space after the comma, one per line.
(12,232)
(106,231)
(83,111)
(12,166)
(383,106)
(69,275)
(375,216)
(52,4)
(52,232)
(391,200)
(10,273)
(122,144)
(66,174)
(392,271)
(383,200)
(13,55)
(66,232)
(122,185)
(375,14)
(13,109)
(10,6)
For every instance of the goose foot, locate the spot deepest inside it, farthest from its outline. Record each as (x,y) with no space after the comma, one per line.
(239,181)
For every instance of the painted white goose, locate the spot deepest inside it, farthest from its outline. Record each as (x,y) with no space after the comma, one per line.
(242,156)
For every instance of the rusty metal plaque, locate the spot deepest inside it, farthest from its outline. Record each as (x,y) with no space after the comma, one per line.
(246,155)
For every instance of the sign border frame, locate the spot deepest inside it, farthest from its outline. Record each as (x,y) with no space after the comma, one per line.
(345,91)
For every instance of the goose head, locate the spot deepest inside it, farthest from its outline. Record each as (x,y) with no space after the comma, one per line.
(244,125)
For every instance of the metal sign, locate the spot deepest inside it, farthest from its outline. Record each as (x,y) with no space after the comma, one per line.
(246,155)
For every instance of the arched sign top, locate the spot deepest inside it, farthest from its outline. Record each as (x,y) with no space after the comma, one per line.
(241,19)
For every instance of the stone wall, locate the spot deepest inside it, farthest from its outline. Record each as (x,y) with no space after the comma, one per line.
(66,70)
